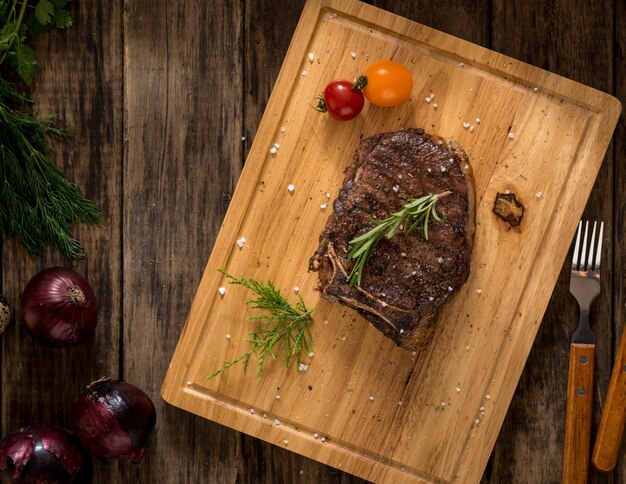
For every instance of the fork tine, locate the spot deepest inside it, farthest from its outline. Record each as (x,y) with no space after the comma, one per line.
(576,246)
(583,266)
(591,247)
(599,250)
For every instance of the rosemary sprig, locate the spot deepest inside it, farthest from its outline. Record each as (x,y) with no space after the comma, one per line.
(285,326)
(415,213)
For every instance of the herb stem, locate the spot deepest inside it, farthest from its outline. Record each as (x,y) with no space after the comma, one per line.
(286,326)
(415,213)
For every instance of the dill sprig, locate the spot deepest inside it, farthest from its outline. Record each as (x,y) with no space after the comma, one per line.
(414,213)
(285,326)
(37,205)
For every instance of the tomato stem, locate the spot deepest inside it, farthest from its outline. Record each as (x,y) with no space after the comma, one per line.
(360,83)
(321,105)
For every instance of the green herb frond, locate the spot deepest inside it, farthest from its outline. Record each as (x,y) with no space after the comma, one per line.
(415,213)
(284,327)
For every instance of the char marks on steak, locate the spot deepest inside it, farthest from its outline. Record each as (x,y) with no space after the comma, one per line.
(406,280)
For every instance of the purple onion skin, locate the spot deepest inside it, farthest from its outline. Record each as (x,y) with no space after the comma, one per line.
(43,454)
(114,419)
(52,310)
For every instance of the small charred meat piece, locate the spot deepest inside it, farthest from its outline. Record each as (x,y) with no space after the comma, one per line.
(507,207)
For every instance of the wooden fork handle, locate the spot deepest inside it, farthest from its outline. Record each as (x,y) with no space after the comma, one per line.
(609,438)
(578,413)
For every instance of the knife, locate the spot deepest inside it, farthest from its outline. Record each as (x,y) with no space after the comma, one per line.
(609,438)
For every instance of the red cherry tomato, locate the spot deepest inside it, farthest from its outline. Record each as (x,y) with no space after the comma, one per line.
(341,101)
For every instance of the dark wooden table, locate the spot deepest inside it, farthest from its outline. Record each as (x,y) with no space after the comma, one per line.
(159,94)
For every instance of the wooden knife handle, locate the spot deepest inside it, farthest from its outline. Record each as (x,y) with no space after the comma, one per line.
(578,413)
(609,438)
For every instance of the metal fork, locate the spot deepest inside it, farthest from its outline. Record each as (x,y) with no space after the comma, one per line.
(585,286)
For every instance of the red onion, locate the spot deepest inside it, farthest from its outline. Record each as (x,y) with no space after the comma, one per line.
(59,308)
(114,419)
(43,454)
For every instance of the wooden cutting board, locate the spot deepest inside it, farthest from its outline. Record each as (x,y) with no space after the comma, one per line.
(364,405)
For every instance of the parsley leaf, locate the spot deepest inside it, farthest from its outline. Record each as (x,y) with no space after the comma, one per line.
(62,18)
(44,12)
(23,60)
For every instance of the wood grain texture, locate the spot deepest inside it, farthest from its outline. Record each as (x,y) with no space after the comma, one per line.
(183,118)
(84,76)
(619,212)
(79,76)
(606,448)
(577,32)
(558,106)
(578,413)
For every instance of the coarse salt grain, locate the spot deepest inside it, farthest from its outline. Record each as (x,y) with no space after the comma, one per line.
(283,129)
(511,135)
(458,389)
(477,421)
(400,402)
(413,273)
(401,331)
(428,170)
(243,138)
(403,254)
(482,409)
(286,442)
(323,206)
(301,472)
(461,64)
(431,299)
(241,241)
(443,404)
(353,54)
(222,291)
(291,188)
(443,168)
(276,145)
(326,321)
(535,89)
(479,291)
(311,354)
(323,439)
(384,304)
(371,397)
(538,195)
(277,396)
(427,99)
(315,436)
(276,421)
(304,73)
(311,57)
(477,120)
(450,289)
(227,337)
(435,105)
(471,128)
(395,188)
(466,124)
(273,150)
(296,289)
(252,411)
(440,260)
(327,195)
(487,397)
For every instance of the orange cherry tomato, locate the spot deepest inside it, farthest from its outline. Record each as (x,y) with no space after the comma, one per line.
(388,83)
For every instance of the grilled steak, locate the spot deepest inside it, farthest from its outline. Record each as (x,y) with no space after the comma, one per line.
(407,279)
